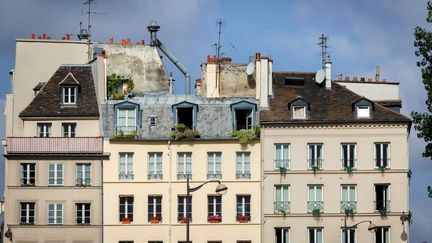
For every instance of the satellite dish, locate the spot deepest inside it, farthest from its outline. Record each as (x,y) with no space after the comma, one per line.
(320,76)
(250,69)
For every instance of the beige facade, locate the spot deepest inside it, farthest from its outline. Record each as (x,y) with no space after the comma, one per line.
(332,177)
(170,187)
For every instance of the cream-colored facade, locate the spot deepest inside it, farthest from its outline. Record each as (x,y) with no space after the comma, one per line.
(169,188)
(332,177)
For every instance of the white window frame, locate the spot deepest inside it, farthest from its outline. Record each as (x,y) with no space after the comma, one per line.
(349,186)
(44,130)
(67,96)
(126,206)
(212,163)
(81,179)
(283,146)
(126,174)
(25,180)
(83,212)
(320,160)
(386,194)
(388,234)
(363,111)
(294,116)
(128,119)
(152,120)
(349,155)
(243,172)
(55,211)
(283,229)
(69,130)
(315,189)
(381,154)
(155,159)
(155,205)
(243,204)
(282,194)
(182,199)
(26,213)
(214,202)
(182,163)
(56,178)
(348,231)
(315,234)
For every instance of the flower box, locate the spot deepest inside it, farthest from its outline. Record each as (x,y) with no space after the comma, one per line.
(214,219)
(183,220)
(126,220)
(243,219)
(155,219)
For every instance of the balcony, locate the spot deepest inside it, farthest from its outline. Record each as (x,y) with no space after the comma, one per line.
(382,206)
(348,206)
(83,182)
(281,207)
(184,176)
(126,176)
(54,145)
(348,163)
(213,176)
(313,206)
(155,176)
(315,164)
(243,175)
(281,164)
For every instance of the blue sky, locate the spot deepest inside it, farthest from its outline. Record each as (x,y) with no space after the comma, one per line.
(362,34)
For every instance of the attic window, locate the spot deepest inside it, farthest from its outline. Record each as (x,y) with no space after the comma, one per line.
(243,115)
(363,108)
(299,112)
(298,108)
(185,113)
(363,111)
(69,95)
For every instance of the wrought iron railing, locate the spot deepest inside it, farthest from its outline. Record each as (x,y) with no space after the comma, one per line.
(315,205)
(155,176)
(126,176)
(183,176)
(281,163)
(214,176)
(348,163)
(243,175)
(315,164)
(83,182)
(281,207)
(348,206)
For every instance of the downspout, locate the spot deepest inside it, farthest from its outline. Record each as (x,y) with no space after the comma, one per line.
(102,198)
(170,191)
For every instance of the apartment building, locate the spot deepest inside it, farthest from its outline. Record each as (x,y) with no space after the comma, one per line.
(332,160)
(53,146)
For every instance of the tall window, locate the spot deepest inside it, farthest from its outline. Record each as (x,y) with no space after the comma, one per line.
(184,165)
(214,206)
(69,95)
(281,203)
(243,165)
(243,119)
(382,203)
(126,208)
(126,120)
(69,130)
(82,213)
(282,156)
(55,174)
(349,158)
(27,213)
(155,166)
(126,166)
(348,202)
(182,208)
(382,155)
(315,235)
(299,112)
(382,235)
(214,165)
(243,207)
(315,156)
(83,175)
(44,130)
(315,198)
(55,213)
(28,173)
(282,235)
(155,208)
(348,235)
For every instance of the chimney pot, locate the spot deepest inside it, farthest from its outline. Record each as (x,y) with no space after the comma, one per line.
(142,42)
(328,80)
(362,79)
(257,56)
(347,78)
(68,36)
(111,40)
(355,78)
(369,79)
(339,77)
(384,80)
(32,35)
(63,38)
(44,36)
(128,41)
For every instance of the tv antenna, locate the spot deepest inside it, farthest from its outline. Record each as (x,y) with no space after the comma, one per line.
(324,54)
(219,23)
(86,33)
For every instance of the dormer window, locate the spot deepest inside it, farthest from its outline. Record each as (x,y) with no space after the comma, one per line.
(299,112)
(363,108)
(243,114)
(69,94)
(363,111)
(185,113)
(298,108)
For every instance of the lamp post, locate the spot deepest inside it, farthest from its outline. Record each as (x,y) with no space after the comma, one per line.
(371,227)
(221,189)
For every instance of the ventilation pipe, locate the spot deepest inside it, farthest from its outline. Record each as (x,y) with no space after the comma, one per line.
(153,28)
(328,75)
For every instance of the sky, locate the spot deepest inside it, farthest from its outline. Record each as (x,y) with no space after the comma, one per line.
(361,35)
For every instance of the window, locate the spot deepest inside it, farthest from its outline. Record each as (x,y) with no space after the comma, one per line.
(126,120)
(126,241)
(243,165)
(69,130)
(27,213)
(349,156)
(382,235)
(184,166)
(315,199)
(244,241)
(55,174)
(82,213)
(44,130)
(382,155)
(382,203)
(348,202)
(214,165)
(155,208)
(214,241)
(315,156)
(185,113)
(126,166)
(126,208)
(155,241)
(214,206)
(243,115)
(348,235)
(243,207)
(363,111)
(299,112)
(282,235)
(152,120)
(282,156)
(28,171)
(182,209)
(155,166)
(83,175)
(315,235)
(281,199)
(69,95)
(55,213)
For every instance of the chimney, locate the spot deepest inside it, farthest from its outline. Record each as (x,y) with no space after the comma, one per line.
(355,78)
(68,36)
(339,77)
(369,79)
(347,78)
(377,75)
(44,36)
(198,87)
(111,40)
(32,35)
(328,75)
(12,75)
(362,79)
(142,42)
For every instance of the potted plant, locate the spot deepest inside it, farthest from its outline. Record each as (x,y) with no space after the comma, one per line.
(126,220)
(155,219)
(182,220)
(315,169)
(349,169)
(283,170)
(243,219)
(349,212)
(382,168)
(316,213)
(214,219)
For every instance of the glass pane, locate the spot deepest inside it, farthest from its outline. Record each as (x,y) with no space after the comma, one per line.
(278,194)
(319,193)
(344,193)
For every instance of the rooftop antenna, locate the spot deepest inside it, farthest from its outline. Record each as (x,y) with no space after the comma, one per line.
(220,23)
(324,55)
(85,34)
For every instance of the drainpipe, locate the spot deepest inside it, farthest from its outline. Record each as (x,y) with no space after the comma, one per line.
(170,190)
(102,199)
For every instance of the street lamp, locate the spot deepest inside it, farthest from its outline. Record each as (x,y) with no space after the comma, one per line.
(221,189)
(371,227)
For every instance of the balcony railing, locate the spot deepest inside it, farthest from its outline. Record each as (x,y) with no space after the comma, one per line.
(382,162)
(28,181)
(214,176)
(155,176)
(315,163)
(382,206)
(315,205)
(282,163)
(348,206)
(82,182)
(123,130)
(183,176)
(348,163)
(54,145)
(126,176)
(281,207)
